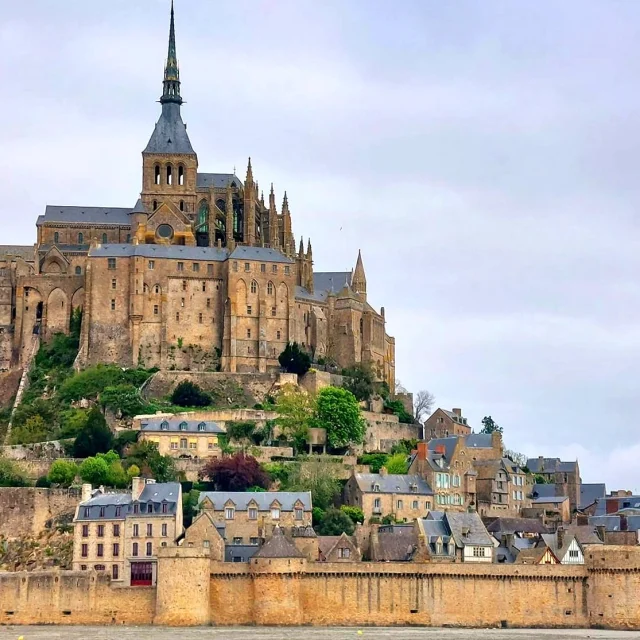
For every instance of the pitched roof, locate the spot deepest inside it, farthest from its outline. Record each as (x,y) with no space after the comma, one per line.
(610,523)
(589,493)
(467,529)
(436,529)
(219,180)
(449,445)
(545,500)
(330,280)
(517,525)
(544,491)
(551,465)
(278,547)
(398,545)
(532,555)
(118,216)
(264,499)
(170,133)
(393,483)
(551,541)
(259,253)
(174,251)
(584,534)
(26,252)
(478,440)
(176,424)
(326,544)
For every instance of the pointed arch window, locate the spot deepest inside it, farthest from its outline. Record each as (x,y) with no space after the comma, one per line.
(203,216)
(254,286)
(270,288)
(81,238)
(56,237)
(105,239)
(181,175)
(156,177)
(169,175)
(181,205)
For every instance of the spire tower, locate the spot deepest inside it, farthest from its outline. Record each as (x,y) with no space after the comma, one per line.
(171,83)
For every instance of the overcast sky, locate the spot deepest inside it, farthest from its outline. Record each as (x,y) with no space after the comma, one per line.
(483,155)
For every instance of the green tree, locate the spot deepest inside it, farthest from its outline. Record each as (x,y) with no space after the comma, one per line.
(94,471)
(375,461)
(397,464)
(240,431)
(294,360)
(117,476)
(335,522)
(189,506)
(95,437)
(72,421)
(123,440)
(338,412)
(319,475)
(295,409)
(359,379)
(355,513)
(63,473)
(33,430)
(123,398)
(396,407)
(489,425)
(151,464)
(11,475)
(133,472)
(188,394)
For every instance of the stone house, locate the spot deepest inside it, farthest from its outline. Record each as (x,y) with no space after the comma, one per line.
(502,487)
(443,423)
(120,533)
(342,548)
(565,476)
(182,438)
(548,506)
(469,535)
(248,518)
(405,497)
(204,534)
(394,543)
(536,555)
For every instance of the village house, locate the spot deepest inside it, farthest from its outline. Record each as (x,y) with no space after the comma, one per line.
(120,533)
(472,541)
(342,548)
(502,487)
(564,546)
(443,423)
(182,438)
(564,475)
(404,497)
(536,555)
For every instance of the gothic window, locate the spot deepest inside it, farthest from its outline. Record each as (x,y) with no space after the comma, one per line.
(78,271)
(56,237)
(156,178)
(181,175)
(181,205)
(81,238)
(221,205)
(169,175)
(254,286)
(157,289)
(104,238)
(155,205)
(203,216)
(270,288)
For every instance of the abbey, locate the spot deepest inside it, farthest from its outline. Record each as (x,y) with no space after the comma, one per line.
(202,273)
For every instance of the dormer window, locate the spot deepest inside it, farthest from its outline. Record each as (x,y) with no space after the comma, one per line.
(164,426)
(183,426)
(414,488)
(202,427)
(376,488)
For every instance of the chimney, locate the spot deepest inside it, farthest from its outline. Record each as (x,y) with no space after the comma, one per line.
(560,533)
(457,412)
(383,472)
(137,487)
(422,450)
(440,449)
(508,540)
(541,463)
(86,492)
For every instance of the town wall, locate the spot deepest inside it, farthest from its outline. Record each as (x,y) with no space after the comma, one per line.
(384,430)
(24,511)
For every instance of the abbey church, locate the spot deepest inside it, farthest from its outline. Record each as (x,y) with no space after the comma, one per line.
(202,273)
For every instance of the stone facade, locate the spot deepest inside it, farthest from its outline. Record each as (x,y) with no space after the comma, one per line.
(443,423)
(201,274)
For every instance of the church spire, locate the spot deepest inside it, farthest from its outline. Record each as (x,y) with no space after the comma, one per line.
(359,279)
(171,83)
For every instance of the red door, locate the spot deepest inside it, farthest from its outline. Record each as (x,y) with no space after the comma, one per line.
(141,574)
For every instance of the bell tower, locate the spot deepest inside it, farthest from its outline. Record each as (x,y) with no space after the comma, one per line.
(169,163)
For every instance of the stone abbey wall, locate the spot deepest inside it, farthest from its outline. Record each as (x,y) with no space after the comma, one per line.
(192,590)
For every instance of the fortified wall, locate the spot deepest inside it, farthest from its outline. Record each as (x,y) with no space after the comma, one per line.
(193,590)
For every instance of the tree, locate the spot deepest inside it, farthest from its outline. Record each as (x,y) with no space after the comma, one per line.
(117,476)
(517,458)
(62,473)
(319,475)
(359,380)
(397,407)
(150,463)
(397,464)
(133,472)
(33,430)
(235,473)
(95,437)
(188,394)
(240,431)
(72,421)
(123,398)
(11,475)
(335,522)
(422,405)
(355,513)
(94,471)
(295,409)
(338,412)
(489,425)
(294,360)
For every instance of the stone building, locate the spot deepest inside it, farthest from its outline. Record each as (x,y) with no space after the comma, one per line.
(120,533)
(502,488)
(565,476)
(181,437)
(201,273)
(443,423)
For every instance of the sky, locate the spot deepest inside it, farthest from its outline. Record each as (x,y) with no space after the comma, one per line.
(481,154)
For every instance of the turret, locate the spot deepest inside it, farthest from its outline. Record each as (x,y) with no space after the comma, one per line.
(249,208)
(309,260)
(289,246)
(273,221)
(359,279)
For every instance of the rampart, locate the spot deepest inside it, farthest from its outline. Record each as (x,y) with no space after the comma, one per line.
(192,590)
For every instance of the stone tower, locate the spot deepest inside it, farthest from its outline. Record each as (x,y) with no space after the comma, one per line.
(169,163)
(359,279)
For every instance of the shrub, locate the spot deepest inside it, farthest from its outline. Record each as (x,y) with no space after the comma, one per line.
(92,381)
(397,464)
(188,394)
(235,473)
(355,513)
(338,412)
(294,360)
(277,471)
(94,471)
(62,473)
(319,476)
(375,461)
(11,475)
(316,516)
(240,431)
(359,380)
(43,482)
(33,430)
(395,406)
(150,463)
(72,421)
(123,440)
(95,437)
(334,523)
(123,398)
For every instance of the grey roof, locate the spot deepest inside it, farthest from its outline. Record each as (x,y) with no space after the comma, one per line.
(633,523)
(516,525)
(170,133)
(26,252)
(610,523)
(544,491)
(242,551)
(435,528)
(173,251)
(550,500)
(589,493)
(64,248)
(305,294)
(551,465)
(139,208)
(153,494)
(551,541)
(504,555)
(479,440)
(259,253)
(398,545)
(176,424)
(86,215)
(393,483)
(435,515)
(264,499)
(278,546)
(449,445)
(523,543)
(220,180)
(330,280)
(471,523)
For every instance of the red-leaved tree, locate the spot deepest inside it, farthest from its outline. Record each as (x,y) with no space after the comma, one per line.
(235,473)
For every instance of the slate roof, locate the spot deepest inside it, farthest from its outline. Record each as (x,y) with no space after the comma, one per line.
(436,529)
(153,493)
(243,551)
(517,525)
(449,445)
(584,534)
(330,280)
(86,215)
(610,523)
(263,499)
(305,294)
(589,493)
(549,500)
(64,248)
(259,253)
(544,490)
(478,440)
(531,556)
(174,424)
(477,533)
(26,252)
(170,133)
(177,252)
(220,180)
(396,546)
(278,547)
(139,208)
(326,544)
(551,465)
(393,483)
